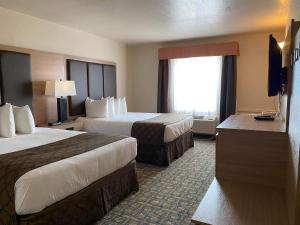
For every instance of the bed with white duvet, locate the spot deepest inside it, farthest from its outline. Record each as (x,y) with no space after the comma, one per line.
(161,137)
(121,124)
(44,186)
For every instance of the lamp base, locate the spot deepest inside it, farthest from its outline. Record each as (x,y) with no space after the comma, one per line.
(62,110)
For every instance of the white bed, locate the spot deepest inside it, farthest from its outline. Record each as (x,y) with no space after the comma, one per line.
(122,124)
(48,184)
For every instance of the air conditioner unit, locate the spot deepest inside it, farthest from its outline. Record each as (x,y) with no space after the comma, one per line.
(205,125)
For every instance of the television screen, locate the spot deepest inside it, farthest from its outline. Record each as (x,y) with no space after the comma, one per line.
(275,67)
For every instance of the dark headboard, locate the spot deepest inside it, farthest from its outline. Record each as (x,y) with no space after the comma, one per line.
(15,78)
(91,80)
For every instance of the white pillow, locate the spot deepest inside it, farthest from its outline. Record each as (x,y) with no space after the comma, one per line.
(123,106)
(88,99)
(117,106)
(7,122)
(96,108)
(111,107)
(24,120)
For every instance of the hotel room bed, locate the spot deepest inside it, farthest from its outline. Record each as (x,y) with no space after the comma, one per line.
(161,137)
(57,177)
(74,190)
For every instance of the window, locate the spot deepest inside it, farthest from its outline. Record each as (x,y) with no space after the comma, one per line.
(195,85)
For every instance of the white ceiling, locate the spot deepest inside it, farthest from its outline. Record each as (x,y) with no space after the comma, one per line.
(136,21)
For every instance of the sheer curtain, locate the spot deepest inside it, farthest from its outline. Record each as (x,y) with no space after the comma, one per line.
(195,85)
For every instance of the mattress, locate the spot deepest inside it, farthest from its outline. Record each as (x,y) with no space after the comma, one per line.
(122,124)
(48,184)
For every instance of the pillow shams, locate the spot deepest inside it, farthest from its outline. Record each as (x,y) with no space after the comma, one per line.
(24,120)
(96,108)
(7,122)
(111,107)
(123,106)
(117,106)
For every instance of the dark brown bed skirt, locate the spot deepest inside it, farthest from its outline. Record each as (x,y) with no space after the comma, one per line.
(166,153)
(91,203)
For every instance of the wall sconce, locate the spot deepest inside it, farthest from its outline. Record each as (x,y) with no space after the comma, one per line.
(281,44)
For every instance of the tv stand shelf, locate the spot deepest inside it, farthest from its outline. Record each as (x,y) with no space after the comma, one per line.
(251,159)
(235,203)
(252,151)
(248,123)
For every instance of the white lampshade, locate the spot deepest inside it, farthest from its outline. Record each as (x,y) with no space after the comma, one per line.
(281,44)
(60,88)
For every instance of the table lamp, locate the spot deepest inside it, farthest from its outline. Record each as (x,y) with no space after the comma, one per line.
(60,89)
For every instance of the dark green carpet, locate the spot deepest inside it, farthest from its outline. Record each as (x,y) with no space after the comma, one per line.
(168,196)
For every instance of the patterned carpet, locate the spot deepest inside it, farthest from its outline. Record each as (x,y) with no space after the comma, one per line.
(168,196)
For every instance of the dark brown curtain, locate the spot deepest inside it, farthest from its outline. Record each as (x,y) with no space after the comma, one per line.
(163,104)
(228,87)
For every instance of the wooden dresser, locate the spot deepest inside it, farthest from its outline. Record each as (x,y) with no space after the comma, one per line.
(251,161)
(252,151)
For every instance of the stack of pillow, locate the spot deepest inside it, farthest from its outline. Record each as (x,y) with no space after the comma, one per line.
(105,107)
(15,119)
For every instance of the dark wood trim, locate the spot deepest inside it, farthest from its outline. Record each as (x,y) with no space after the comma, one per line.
(88,78)
(15,78)
(69,77)
(47,66)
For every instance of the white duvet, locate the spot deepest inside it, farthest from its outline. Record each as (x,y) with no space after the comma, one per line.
(122,124)
(48,184)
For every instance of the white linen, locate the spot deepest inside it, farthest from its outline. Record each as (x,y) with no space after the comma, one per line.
(97,108)
(24,120)
(117,106)
(111,106)
(123,106)
(7,121)
(122,124)
(48,184)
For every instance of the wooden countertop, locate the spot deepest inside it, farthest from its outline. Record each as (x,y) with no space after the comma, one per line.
(233,203)
(247,122)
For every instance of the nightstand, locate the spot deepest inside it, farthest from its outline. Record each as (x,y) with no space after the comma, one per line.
(71,125)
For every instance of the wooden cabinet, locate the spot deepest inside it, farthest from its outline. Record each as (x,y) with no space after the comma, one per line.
(251,159)
(236,203)
(252,151)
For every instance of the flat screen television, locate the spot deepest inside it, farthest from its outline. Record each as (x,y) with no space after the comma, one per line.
(275,76)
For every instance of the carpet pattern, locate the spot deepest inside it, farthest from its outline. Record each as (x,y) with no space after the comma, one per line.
(168,196)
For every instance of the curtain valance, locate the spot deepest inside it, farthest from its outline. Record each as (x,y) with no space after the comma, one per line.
(220,49)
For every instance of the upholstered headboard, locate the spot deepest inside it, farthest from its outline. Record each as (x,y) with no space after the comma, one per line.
(15,78)
(91,80)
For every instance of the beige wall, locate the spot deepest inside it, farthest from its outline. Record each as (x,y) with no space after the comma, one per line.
(294,10)
(252,67)
(143,64)
(293,186)
(29,32)
(137,65)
